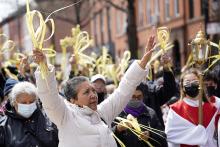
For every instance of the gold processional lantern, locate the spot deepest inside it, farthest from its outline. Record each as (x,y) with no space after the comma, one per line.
(200,51)
(200,48)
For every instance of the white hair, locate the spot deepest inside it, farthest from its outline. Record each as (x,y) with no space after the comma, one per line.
(22,88)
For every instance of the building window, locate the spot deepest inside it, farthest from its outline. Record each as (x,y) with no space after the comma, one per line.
(176,7)
(102,15)
(102,26)
(176,55)
(108,16)
(6,31)
(202,7)
(148,12)
(118,22)
(167,9)
(155,18)
(191,8)
(140,13)
(95,30)
(125,23)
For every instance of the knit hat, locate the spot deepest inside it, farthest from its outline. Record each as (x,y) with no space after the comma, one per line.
(9,84)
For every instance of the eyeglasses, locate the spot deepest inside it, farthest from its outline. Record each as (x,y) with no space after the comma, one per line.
(188,83)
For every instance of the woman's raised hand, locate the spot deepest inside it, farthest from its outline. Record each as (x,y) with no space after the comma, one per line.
(148,51)
(39,56)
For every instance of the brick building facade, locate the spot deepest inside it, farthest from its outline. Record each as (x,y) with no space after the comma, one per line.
(108,25)
(16,30)
(183,17)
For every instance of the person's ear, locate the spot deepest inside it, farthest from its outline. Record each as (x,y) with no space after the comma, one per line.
(216,86)
(184,89)
(72,100)
(15,105)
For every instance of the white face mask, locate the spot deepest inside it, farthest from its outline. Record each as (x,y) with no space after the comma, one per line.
(26,110)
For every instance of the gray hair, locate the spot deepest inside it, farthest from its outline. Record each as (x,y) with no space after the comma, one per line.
(71,87)
(22,88)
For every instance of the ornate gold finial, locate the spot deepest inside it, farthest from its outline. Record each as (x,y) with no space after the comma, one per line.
(163,36)
(200,48)
(200,37)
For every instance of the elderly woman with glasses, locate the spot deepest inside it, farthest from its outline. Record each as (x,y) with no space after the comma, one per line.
(81,122)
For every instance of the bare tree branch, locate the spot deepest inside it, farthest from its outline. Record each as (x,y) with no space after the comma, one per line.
(83,23)
(114,5)
(71,21)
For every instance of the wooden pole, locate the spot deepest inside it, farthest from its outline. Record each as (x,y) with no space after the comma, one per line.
(200,99)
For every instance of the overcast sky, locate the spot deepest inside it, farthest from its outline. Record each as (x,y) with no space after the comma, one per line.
(9,6)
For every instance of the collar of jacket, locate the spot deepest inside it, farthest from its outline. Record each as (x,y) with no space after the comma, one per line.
(88,113)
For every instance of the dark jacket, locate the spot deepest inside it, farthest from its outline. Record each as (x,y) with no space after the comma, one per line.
(148,118)
(36,131)
(27,77)
(2,84)
(155,96)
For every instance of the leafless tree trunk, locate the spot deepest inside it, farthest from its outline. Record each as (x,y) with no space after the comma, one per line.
(131,25)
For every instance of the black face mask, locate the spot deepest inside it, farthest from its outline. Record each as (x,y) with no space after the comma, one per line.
(192,90)
(101,97)
(211,90)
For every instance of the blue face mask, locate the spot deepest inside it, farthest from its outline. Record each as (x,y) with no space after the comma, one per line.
(26,110)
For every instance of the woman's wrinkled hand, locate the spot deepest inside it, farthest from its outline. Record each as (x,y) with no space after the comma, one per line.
(23,64)
(39,56)
(121,126)
(145,135)
(166,61)
(72,59)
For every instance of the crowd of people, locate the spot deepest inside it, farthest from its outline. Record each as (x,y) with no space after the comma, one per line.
(90,112)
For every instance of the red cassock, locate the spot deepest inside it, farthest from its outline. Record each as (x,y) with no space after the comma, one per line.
(182,127)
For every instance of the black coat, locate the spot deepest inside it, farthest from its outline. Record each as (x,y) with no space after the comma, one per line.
(148,118)
(36,131)
(2,84)
(155,96)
